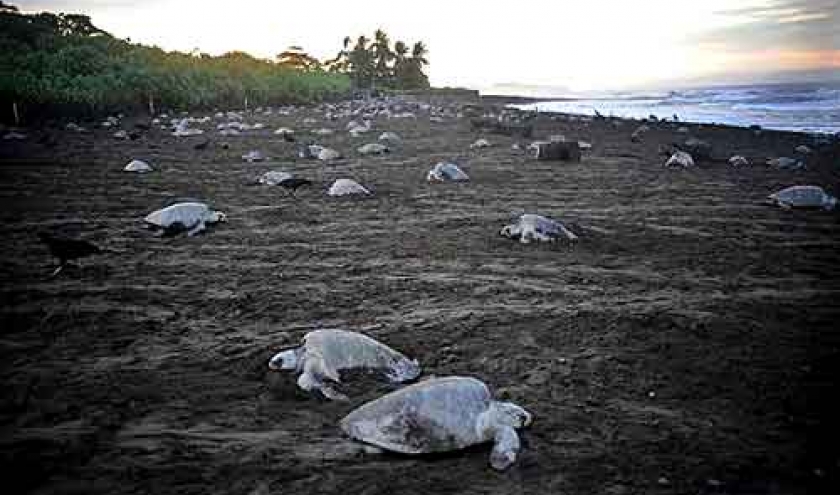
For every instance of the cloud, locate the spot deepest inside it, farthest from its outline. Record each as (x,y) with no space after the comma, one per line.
(778,25)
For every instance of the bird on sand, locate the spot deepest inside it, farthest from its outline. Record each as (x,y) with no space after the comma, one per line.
(67,249)
(294,183)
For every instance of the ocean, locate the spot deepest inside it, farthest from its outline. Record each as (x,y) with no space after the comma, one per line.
(804,107)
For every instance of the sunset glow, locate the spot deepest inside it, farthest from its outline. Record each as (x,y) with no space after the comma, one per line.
(591,45)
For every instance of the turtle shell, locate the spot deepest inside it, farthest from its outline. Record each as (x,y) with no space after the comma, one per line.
(803,197)
(447,172)
(344,187)
(436,415)
(186,215)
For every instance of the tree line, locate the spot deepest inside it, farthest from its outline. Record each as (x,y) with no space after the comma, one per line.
(62,65)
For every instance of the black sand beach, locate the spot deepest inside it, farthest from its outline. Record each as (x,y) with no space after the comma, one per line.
(687,343)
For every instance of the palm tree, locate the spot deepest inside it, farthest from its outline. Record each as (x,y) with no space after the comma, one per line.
(383,56)
(419,52)
(361,61)
(400,63)
(414,77)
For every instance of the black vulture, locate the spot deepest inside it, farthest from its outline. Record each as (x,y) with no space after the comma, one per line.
(294,183)
(67,249)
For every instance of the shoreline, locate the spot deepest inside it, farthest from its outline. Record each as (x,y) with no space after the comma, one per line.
(517,100)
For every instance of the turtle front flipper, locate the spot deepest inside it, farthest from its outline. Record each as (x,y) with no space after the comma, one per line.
(505,448)
(315,377)
(311,383)
(199,227)
(332,393)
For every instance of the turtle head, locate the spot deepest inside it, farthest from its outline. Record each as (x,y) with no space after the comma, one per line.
(217,216)
(509,414)
(509,231)
(287,359)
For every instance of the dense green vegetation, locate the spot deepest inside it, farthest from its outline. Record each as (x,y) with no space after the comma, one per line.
(61,65)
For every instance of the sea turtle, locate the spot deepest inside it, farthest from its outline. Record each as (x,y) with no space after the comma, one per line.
(639,133)
(680,159)
(274,177)
(183,130)
(357,129)
(324,354)
(310,151)
(138,166)
(444,172)
(536,227)
(191,217)
(803,197)
(254,156)
(14,136)
(328,154)
(390,136)
(786,163)
(738,161)
(440,415)
(344,187)
(373,149)
(480,143)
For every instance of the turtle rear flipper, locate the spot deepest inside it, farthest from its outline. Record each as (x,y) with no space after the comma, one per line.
(404,371)
(172,229)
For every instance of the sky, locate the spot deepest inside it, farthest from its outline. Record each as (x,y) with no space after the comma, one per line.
(574,45)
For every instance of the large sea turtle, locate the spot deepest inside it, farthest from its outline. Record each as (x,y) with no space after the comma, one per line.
(189,217)
(803,197)
(530,227)
(324,354)
(440,415)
